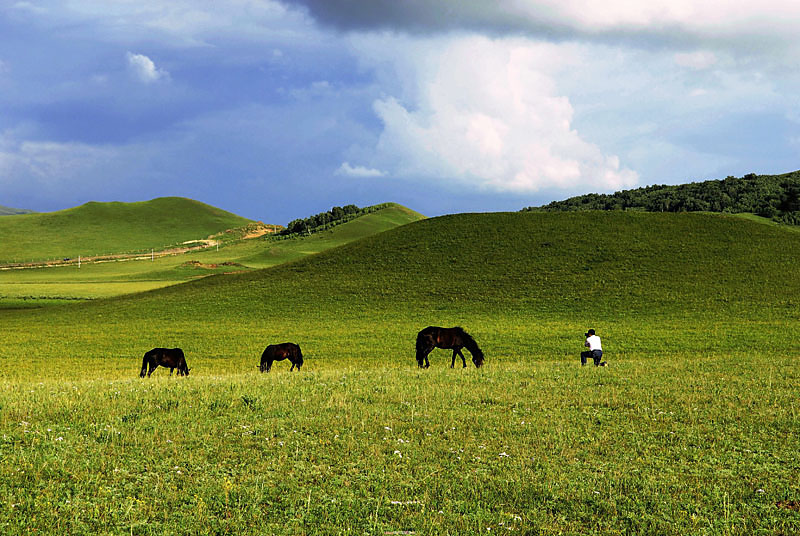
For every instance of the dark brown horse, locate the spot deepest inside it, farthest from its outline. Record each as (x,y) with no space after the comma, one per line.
(279,352)
(447,338)
(171,358)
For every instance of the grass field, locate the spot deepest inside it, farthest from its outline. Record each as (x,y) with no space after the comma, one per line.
(35,287)
(692,429)
(108,228)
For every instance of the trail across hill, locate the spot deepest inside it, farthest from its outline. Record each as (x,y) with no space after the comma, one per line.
(248,232)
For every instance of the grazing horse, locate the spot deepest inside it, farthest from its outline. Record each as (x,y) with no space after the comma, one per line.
(171,358)
(279,352)
(447,338)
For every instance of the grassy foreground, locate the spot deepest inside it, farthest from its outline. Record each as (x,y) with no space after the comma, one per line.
(693,429)
(689,446)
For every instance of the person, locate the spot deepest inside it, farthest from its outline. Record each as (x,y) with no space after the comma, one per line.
(595,350)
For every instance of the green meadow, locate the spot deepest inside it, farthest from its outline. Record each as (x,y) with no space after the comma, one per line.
(35,287)
(107,228)
(692,429)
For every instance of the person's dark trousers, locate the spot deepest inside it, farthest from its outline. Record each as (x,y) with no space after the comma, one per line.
(596,356)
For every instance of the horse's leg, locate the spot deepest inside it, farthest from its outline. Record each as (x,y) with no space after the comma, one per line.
(269,366)
(464,361)
(291,369)
(453,362)
(151,368)
(424,359)
(144,368)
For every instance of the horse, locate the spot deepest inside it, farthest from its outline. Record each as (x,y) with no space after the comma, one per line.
(279,352)
(447,338)
(171,358)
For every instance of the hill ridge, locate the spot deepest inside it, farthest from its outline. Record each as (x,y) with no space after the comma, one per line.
(103,228)
(578,263)
(776,197)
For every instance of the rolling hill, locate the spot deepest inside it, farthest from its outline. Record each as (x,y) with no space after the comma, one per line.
(45,285)
(107,228)
(519,280)
(534,263)
(6,211)
(692,427)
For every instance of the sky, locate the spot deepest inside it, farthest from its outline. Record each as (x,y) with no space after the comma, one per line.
(280,109)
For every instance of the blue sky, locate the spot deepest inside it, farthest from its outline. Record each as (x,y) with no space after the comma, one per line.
(276,110)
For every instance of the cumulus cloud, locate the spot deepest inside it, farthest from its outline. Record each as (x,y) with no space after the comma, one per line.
(487,113)
(144,69)
(348,170)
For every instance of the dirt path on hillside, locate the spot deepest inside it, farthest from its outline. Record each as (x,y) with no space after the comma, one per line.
(253,230)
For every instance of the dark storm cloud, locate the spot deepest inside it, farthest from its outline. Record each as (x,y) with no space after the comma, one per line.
(425,16)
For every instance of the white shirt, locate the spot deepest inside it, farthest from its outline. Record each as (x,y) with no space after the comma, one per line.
(593,342)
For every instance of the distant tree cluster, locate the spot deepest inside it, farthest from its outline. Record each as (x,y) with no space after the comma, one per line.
(771,196)
(326,220)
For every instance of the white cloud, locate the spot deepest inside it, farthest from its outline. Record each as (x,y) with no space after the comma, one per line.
(698,61)
(58,170)
(144,69)
(29,7)
(348,170)
(487,113)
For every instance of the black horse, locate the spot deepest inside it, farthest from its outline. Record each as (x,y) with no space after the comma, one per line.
(447,338)
(171,358)
(279,352)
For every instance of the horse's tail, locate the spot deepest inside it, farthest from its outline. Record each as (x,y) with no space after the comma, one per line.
(472,346)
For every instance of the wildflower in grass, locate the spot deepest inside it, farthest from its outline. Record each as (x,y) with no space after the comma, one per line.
(398,453)
(504,455)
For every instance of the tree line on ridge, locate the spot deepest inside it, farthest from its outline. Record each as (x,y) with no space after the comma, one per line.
(771,196)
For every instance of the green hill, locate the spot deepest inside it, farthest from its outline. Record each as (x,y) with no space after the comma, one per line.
(47,285)
(692,428)
(528,263)
(6,211)
(523,281)
(107,228)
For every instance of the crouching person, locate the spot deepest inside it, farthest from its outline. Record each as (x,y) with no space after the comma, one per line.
(595,350)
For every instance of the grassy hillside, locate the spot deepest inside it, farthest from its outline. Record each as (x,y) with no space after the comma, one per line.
(105,228)
(516,273)
(35,287)
(604,263)
(691,430)
(5,211)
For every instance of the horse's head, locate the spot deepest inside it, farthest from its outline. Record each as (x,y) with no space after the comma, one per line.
(477,358)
